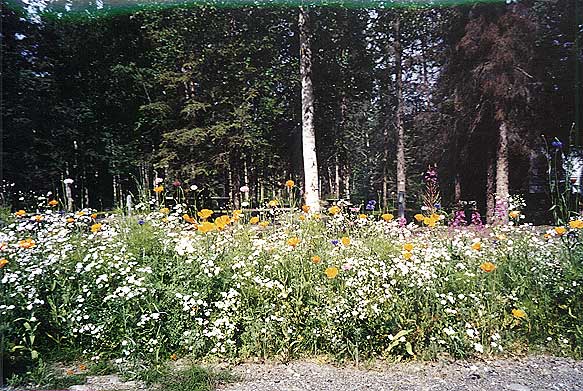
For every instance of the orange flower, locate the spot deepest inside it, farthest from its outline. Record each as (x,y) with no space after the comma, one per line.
(293,241)
(576,224)
(95,227)
(345,241)
(387,217)
(254,220)
(514,214)
(488,267)
(560,230)
(3,262)
(547,236)
(38,218)
(331,272)
(70,219)
(419,217)
(173,357)
(93,216)
(205,214)
(158,189)
(70,372)
(53,203)
(306,208)
(289,184)
(518,313)
(334,210)
(20,213)
(82,367)
(407,247)
(407,255)
(206,227)
(477,246)
(362,216)
(188,219)
(264,224)
(26,243)
(316,259)
(273,203)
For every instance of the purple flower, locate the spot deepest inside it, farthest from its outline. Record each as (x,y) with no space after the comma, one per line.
(476,218)
(176,183)
(334,242)
(402,222)
(557,144)
(459,219)
(141,222)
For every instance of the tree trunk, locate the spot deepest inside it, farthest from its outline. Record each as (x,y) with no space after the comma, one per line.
(311,190)
(502,173)
(401,167)
(491,189)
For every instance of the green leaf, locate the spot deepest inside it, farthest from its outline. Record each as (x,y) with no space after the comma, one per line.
(409,348)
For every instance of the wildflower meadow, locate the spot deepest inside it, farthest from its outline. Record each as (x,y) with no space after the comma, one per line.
(171,282)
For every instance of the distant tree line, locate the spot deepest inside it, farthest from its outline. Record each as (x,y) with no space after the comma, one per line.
(215,98)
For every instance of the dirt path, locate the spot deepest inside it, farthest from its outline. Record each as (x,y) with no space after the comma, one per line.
(540,373)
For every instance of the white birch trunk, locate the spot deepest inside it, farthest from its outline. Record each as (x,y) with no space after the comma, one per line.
(311,191)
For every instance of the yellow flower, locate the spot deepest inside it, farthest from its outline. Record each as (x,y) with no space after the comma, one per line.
(302,217)
(387,217)
(53,203)
(95,227)
(576,223)
(334,210)
(316,259)
(222,221)
(477,246)
(514,214)
(488,267)
(331,272)
(164,220)
(206,227)
(3,262)
(273,203)
(345,241)
(407,255)
(518,313)
(165,211)
(26,243)
(70,219)
(254,220)
(501,237)
(263,224)
(205,214)
(237,213)
(80,214)
(362,216)
(407,247)
(316,216)
(188,219)
(289,184)
(560,230)
(429,221)
(158,189)
(20,213)
(306,208)
(38,218)
(293,241)
(419,217)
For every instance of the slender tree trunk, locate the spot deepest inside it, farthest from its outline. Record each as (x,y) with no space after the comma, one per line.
(401,165)
(491,189)
(336,179)
(311,191)
(502,173)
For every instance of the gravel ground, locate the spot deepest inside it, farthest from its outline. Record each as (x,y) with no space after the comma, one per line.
(538,373)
